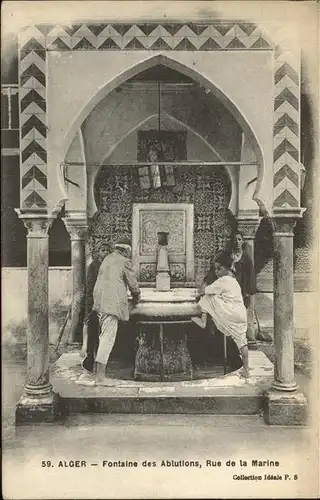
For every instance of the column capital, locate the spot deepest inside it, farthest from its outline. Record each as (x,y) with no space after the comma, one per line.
(248,224)
(77,228)
(284,220)
(37,225)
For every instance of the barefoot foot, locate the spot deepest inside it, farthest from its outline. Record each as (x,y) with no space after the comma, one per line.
(244,373)
(86,379)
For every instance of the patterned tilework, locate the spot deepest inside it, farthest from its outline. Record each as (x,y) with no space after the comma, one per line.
(116,191)
(33,129)
(35,41)
(153,36)
(286,131)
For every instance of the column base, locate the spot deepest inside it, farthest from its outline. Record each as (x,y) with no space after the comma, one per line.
(32,409)
(285,409)
(284,387)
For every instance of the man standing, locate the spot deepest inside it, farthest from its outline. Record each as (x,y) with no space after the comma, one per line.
(91,322)
(110,299)
(242,266)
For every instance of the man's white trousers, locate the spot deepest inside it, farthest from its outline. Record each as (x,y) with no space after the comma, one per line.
(108,333)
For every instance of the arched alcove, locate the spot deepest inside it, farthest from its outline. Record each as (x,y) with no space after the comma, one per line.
(206,84)
(120,151)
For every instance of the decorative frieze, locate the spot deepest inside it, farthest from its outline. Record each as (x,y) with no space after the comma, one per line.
(218,35)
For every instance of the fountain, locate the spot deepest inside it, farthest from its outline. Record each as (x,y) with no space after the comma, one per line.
(163,315)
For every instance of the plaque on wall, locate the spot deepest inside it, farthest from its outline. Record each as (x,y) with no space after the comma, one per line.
(152,221)
(160,146)
(169,145)
(147,221)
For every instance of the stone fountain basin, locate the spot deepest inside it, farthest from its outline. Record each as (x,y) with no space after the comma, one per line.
(178,304)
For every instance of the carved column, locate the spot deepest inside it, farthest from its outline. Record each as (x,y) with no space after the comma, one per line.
(77,229)
(38,402)
(285,406)
(248,225)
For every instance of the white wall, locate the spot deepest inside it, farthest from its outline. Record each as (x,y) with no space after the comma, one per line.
(77,198)
(15,302)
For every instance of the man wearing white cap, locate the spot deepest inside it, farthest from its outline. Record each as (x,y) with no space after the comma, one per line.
(110,299)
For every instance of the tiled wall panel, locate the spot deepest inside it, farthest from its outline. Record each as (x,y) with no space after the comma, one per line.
(286,131)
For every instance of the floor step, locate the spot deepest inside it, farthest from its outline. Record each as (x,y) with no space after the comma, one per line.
(210,404)
(224,394)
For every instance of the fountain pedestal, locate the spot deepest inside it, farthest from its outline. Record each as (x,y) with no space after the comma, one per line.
(163,319)
(163,354)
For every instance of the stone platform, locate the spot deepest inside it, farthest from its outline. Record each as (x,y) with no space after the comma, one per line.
(224,394)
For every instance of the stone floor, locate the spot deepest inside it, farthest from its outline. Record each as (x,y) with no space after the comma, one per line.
(67,369)
(214,393)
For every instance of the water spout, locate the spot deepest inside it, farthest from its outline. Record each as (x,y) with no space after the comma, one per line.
(163,270)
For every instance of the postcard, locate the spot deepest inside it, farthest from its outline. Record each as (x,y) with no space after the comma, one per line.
(160,249)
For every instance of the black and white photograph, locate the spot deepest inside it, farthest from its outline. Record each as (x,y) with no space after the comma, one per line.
(160,249)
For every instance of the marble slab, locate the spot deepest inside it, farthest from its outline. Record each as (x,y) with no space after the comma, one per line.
(174,295)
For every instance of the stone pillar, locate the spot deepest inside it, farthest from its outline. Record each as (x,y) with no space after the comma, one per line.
(283,304)
(248,225)
(38,403)
(77,229)
(87,306)
(283,408)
